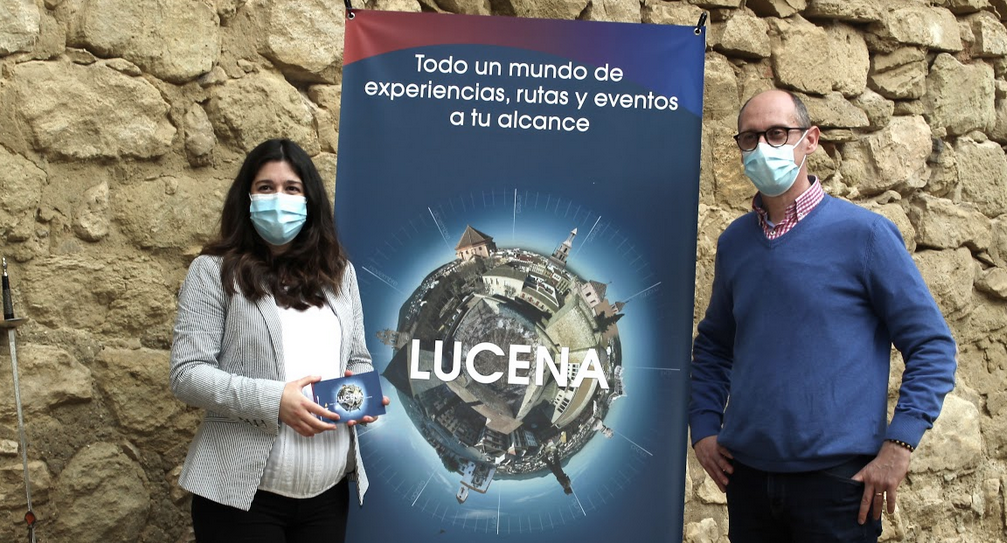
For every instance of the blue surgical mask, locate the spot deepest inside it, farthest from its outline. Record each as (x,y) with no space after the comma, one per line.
(772,169)
(278,217)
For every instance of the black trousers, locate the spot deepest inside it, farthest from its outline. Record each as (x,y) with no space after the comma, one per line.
(275,519)
(811,507)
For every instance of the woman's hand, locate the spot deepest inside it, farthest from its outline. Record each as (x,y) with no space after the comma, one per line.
(300,413)
(384,401)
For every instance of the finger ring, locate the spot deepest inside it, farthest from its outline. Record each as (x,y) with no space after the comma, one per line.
(880,494)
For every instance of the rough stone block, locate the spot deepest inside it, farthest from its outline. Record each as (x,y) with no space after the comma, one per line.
(847,59)
(305,39)
(981,169)
(856,11)
(704,531)
(915,24)
(21,186)
(159,213)
(878,109)
(776,8)
(891,157)
(468,7)
(199,137)
(48,376)
(942,224)
(742,35)
(960,98)
(91,218)
(793,66)
(670,13)
(993,282)
(715,4)
(709,492)
(954,444)
(1000,242)
(409,6)
(12,491)
(258,107)
(174,40)
(133,382)
(618,11)
(9,447)
(720,92)
(102,496)
(19,26)
(834,111)
(550,9)
(961,7)
(989,35)
(900,74)
(90,112)
(110,294)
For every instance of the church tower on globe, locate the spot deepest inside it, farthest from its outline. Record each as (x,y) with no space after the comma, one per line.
(562,252)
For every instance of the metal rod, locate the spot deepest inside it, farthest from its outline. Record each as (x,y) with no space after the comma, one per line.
(11,334)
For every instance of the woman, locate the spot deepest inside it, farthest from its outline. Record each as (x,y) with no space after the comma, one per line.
(267,309)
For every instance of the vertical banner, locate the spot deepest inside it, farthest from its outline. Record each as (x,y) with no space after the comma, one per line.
(519,198)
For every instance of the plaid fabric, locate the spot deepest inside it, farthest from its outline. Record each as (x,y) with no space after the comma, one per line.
(795,211)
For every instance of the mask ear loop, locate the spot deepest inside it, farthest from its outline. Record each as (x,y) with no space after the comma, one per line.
(798,142)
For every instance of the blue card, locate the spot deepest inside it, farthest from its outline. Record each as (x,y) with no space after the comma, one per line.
(352,398)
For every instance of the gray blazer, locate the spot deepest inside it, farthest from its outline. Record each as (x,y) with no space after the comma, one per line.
(227,357)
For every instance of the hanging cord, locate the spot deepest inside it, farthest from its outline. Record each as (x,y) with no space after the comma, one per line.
(349,10)
(11,323)
(697,31)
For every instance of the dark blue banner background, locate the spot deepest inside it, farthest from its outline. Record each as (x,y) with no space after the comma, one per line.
(409,182)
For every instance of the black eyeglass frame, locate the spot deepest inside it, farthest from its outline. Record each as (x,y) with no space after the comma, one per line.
(764,135)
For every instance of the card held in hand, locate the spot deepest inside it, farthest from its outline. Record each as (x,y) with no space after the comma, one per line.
(352,398)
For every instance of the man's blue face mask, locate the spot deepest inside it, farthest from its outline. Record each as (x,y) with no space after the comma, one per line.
(772,169)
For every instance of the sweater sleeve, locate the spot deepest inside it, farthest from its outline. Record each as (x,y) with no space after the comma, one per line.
(712,359)
(918,330)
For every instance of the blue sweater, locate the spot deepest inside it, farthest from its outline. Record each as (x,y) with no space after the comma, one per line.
(798,336)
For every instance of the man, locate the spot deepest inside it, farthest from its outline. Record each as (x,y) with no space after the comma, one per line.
(790,364)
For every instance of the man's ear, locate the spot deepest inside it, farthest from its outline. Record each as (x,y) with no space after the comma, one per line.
(811,140)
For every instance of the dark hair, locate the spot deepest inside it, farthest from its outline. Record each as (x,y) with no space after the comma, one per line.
(313,263)
(800,110)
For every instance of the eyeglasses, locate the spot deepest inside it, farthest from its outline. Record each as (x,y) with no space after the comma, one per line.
(776,136)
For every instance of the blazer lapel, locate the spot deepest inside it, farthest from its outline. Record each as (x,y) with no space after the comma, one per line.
(343,312)
(267,308)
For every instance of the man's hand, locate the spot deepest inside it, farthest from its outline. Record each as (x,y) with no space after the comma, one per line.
(881,479)
(716,460)
(298,412)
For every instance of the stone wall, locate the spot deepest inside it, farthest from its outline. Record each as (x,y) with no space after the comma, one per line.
(122,123)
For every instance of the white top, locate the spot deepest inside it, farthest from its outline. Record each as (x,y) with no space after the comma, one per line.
(298,466)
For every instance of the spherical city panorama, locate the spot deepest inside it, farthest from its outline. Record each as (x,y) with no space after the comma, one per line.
(506,361)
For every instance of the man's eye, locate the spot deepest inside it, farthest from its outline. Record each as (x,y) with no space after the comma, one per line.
(776,133)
